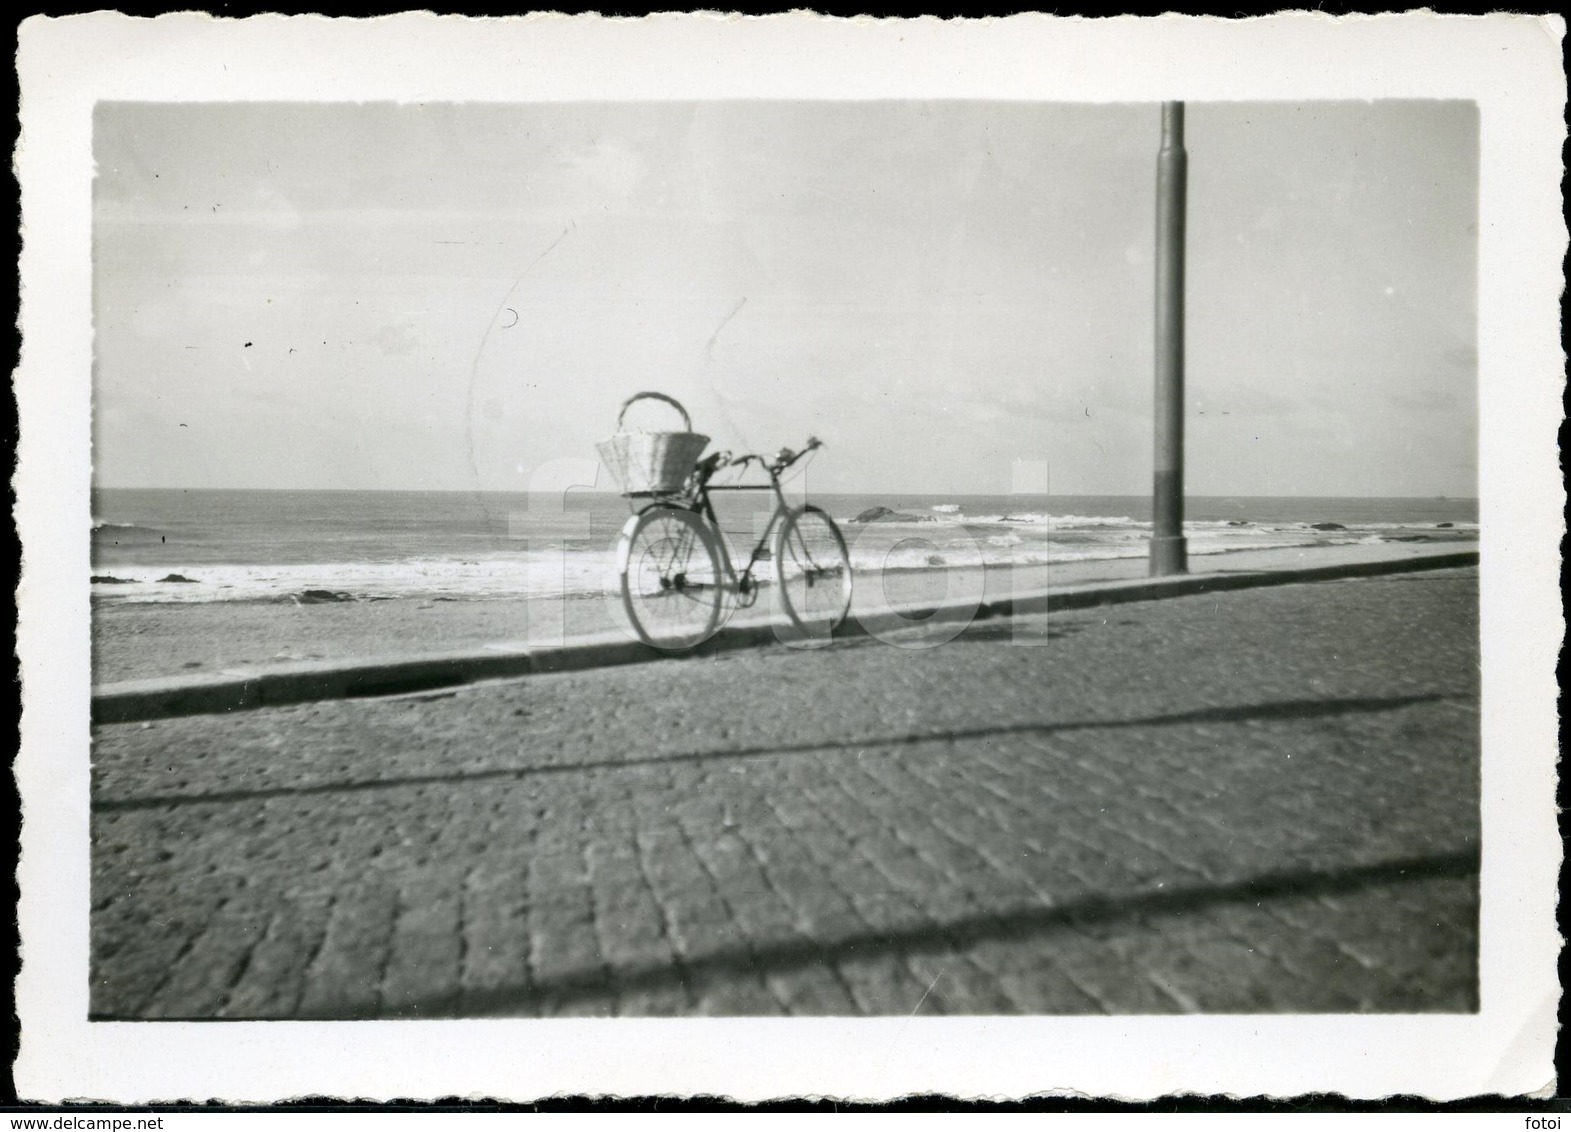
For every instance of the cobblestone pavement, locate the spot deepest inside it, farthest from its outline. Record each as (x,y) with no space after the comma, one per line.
(1257,801)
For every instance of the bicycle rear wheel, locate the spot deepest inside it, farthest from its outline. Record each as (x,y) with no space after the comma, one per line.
(671,578)
(812,574)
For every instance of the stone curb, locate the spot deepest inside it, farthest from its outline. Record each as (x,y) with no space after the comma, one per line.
(134,700)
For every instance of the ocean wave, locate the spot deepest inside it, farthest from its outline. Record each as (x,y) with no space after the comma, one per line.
(1413,526)
(950,514)
(1062,522)
(583,572)
(542,573)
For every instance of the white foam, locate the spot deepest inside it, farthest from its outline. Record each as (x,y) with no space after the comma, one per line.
(1059,522)
(584,572)
(536,573)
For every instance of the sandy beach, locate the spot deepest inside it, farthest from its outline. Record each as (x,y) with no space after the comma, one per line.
(137,640)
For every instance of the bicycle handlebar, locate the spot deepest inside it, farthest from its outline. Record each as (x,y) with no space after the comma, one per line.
(783,459)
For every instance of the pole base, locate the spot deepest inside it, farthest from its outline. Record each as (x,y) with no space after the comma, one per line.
(1169,556)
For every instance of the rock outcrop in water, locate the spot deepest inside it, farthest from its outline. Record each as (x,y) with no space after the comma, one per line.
(320,597)
(886,515)
(1327,527)
(110,580)
(176,578)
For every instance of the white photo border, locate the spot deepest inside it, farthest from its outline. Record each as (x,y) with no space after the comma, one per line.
(1509,65)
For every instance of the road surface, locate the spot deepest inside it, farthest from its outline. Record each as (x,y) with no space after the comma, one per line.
(1265,800)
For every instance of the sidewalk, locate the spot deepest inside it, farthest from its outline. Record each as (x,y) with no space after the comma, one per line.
(1256,801)
(1033,589)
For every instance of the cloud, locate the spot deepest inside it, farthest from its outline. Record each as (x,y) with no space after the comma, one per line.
(396,339)
(1236,398)
(1432,397)
(610,169)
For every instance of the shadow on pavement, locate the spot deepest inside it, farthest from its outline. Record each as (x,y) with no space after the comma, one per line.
(1277,710)
(751,960)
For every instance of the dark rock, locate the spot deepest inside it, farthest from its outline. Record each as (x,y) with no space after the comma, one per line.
(885,515)
(319,597)
(176,578)
(872,515)
(1238,522)
(1327,527)
(1445,524)
(110,580)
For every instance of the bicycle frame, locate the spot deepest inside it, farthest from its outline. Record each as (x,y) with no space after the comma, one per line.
(695,499)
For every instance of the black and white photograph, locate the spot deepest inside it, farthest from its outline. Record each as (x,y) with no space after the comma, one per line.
(606,563)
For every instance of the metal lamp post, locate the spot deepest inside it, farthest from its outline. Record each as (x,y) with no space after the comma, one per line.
(1169,548)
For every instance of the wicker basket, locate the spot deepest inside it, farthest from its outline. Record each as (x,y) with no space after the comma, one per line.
(652,462)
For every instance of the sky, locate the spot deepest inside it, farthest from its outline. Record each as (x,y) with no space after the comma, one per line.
(455,296)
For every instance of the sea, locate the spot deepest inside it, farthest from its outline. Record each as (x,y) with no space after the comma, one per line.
(177,545)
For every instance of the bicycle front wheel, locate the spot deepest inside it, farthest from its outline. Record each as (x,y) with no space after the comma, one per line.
(812,574)
(671,578)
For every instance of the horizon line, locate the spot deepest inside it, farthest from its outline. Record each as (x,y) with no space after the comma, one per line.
(1435,497)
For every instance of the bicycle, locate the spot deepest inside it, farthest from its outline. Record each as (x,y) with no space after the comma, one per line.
(676,569)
